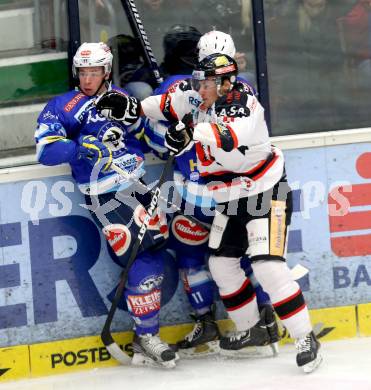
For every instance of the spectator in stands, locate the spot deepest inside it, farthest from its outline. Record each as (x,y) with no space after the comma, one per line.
(158,16)
(304,50)
(357,34)
(128,65)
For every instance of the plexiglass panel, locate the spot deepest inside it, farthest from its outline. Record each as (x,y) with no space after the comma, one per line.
(319,64)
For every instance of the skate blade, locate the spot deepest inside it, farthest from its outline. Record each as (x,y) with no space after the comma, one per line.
(248,352)
(208,349)
(275,348)
(143,360)
(311,366)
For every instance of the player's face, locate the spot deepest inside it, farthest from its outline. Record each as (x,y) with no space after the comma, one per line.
(208,91)
(91,79)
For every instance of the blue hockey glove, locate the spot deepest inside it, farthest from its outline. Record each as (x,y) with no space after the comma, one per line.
(116,106)
(95,152)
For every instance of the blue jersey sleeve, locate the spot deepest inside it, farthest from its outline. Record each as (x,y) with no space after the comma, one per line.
(53,144)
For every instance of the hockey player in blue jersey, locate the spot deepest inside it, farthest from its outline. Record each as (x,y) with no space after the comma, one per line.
(71,130)
(184,46)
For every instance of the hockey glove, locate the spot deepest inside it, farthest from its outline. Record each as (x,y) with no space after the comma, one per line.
(95,152)
(116,106)
(178,138)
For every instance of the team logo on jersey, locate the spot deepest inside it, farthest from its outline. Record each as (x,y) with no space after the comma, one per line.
(49,115)
(119,237)
(129,162)
(113,138)
(188,232)
(234,111)
(150,282)
(144,304)
(112,135)
(157,222)
(194,176)
(194,101)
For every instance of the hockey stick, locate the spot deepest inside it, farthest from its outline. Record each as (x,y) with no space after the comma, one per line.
(138,29)
(175,207)
(106,336)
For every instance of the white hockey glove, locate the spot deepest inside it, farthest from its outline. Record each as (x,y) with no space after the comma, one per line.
(116,106)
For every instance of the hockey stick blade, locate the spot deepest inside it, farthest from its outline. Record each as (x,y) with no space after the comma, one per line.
(118,354)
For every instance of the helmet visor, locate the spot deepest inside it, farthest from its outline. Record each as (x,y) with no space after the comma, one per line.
(200,80)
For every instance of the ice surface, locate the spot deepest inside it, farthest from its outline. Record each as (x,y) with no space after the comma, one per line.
(346,366)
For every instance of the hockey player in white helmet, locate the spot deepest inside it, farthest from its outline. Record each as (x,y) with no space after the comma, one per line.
(71,130)
(215,42)
(89,59)
(219,42)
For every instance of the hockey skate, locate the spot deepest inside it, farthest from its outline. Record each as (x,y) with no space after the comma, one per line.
(253,342)
(308,357)
(267,315)
(150,350)
(203,340)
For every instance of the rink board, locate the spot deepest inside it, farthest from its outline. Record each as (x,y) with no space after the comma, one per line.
(14,363)
(88,353)
(364,318)
(58,280)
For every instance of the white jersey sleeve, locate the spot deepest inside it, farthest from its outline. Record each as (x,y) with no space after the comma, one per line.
(170,106)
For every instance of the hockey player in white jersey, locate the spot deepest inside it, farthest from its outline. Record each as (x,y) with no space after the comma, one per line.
(245,175)
(191,248)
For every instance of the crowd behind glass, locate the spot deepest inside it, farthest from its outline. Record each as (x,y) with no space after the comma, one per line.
(318,51)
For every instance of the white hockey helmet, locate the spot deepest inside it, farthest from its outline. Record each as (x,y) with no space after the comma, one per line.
(92,54)
(215,42)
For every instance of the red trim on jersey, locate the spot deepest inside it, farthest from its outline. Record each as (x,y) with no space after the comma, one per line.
(163,101)
(202,156)
(230,184)
(262,173)
(250,172)
(167,108)
(215,129)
